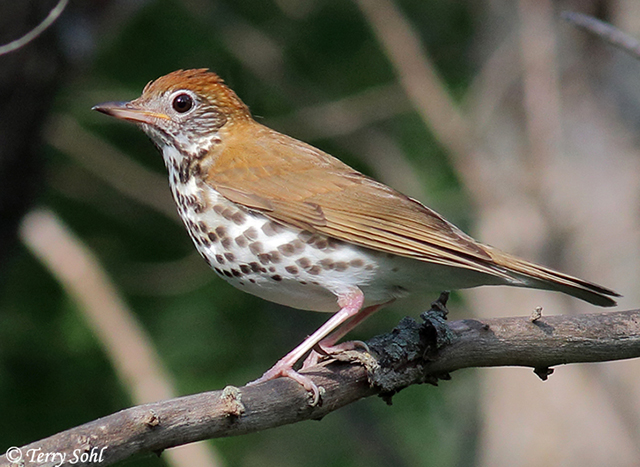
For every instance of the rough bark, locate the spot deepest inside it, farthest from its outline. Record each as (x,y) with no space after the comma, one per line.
(412,353)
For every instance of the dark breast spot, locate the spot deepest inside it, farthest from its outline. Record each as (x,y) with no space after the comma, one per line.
(251,234)
(341,266)
(298,246)
(334,244)
(198,208)
(327,264)
(321,244)
(255,248)
(275,257)
(227,213)
(286,249)
(292,248)
(183,173)
(241,241)
(271,228)
(305,236)
(239,217)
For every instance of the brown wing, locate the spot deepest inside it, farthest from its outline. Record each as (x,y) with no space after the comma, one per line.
(294,183)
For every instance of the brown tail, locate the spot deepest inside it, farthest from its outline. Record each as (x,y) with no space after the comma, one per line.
(538,277)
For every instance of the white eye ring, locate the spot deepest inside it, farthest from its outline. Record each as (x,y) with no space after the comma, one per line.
(182,101)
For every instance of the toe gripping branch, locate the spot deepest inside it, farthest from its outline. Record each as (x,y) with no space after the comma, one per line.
(402,354)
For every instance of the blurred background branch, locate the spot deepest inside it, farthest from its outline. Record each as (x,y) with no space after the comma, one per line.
(127,345)
(51,18)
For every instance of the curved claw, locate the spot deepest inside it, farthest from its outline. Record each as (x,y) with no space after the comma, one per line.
(307,383)
(304,381)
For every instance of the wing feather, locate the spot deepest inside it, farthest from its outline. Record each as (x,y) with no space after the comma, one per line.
(294,183)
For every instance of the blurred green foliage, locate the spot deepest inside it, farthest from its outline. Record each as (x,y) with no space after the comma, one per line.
(54,374)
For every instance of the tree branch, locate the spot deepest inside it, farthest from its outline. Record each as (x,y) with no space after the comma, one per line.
(605,31)
(412,353)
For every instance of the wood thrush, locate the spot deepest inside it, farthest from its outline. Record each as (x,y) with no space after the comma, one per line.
(287,222)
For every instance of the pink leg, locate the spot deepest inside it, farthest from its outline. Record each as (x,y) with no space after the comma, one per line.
(347,327)
(328,344)
(350,306)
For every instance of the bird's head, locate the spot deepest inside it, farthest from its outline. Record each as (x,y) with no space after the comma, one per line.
(185,110)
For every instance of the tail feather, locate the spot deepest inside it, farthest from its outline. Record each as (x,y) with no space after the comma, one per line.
(539,277)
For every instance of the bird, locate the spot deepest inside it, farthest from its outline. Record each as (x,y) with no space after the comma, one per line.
(283,220)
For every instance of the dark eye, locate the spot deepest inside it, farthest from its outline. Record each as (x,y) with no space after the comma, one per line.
(182,103)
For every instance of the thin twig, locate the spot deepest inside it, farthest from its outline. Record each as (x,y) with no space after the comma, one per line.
(606,31)
(541,92)
(35,32)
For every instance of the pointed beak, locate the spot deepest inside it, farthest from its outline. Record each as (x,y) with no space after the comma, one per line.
(131,112)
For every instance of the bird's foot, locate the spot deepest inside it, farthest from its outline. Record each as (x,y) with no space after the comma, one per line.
(350,307)
(285,369)
(323,352)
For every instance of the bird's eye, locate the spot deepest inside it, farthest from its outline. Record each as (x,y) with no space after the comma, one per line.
(182,103)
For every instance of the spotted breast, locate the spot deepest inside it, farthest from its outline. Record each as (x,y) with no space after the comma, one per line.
(281,264)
